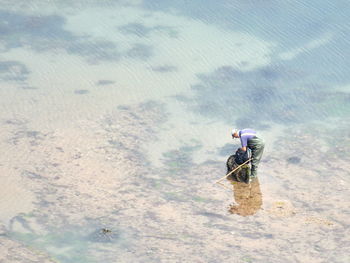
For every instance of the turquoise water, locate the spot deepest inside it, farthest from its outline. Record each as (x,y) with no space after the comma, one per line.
(117,114)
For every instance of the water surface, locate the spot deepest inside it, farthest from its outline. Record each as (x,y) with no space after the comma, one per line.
(117,115)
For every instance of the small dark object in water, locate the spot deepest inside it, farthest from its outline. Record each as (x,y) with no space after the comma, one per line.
(105,231)
(104,235)
(294,160)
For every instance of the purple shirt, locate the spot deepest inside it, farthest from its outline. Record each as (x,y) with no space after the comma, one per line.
(245,135)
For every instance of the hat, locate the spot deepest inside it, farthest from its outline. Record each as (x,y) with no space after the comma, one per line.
(234,131)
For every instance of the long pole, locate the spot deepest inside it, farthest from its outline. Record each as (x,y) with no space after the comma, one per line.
(224,185)
(232,171)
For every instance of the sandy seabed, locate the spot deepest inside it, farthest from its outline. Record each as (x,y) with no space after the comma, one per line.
(68,184)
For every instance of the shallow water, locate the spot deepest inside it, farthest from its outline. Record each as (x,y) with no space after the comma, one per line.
(117,115)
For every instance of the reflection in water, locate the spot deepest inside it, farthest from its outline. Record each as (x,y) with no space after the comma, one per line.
(248,198)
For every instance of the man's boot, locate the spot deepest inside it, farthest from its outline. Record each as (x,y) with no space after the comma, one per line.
(253,174)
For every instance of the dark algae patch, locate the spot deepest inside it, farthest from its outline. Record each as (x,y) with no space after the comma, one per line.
(177,162)
(164,69)
(141,30)
(180,161)
(46,33)
(294,160)
(13,71)
(290,105)
(104,82)
(140,51)
(81,91)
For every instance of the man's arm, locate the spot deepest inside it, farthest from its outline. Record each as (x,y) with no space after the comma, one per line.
(244,143)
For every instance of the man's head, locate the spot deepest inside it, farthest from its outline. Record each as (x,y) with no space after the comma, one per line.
(234,133)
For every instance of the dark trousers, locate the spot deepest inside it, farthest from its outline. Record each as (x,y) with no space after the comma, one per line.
(256,145)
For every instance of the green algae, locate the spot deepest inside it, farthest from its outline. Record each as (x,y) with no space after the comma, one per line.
(200,199)
(179,161)
(159,183)
(247,259)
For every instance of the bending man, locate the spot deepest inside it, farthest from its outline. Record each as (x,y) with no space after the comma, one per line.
(256,145)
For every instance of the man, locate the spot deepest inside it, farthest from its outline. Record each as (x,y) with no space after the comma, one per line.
(256,145)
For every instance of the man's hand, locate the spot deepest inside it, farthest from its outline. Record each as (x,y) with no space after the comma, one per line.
(244,149)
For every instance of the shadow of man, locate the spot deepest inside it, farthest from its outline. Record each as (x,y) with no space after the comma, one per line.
(248,198)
